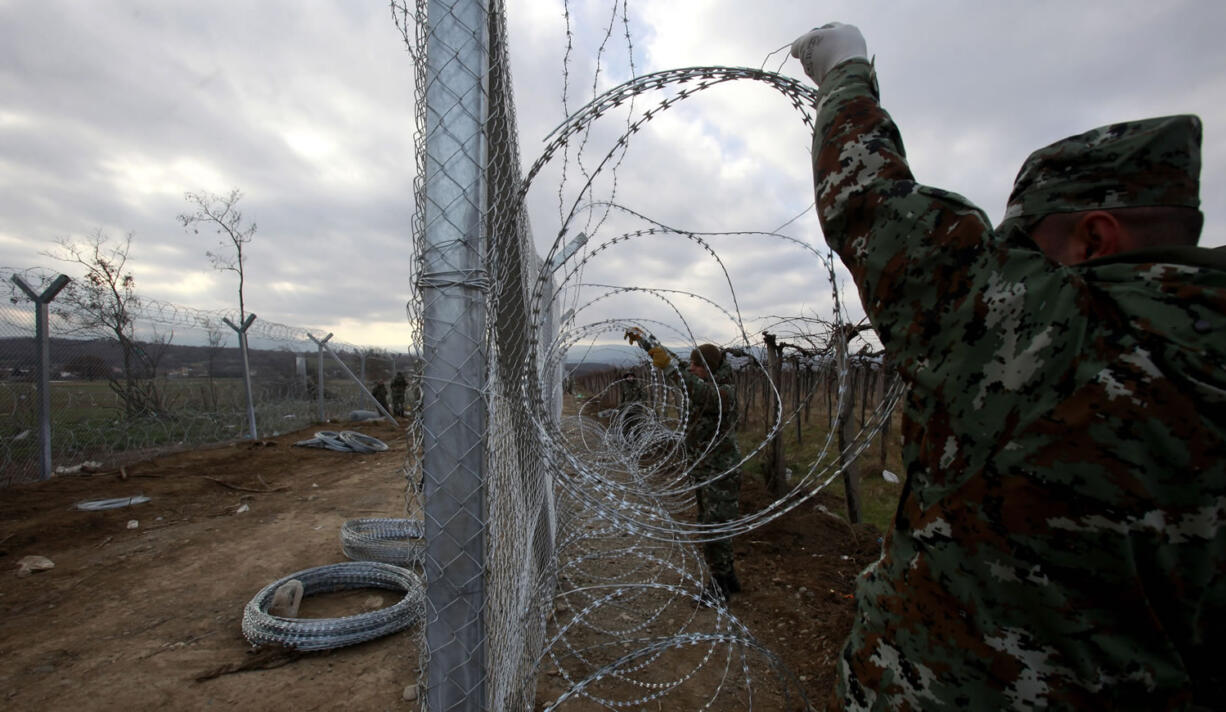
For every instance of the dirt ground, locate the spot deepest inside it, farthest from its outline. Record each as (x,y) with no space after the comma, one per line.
(149,618)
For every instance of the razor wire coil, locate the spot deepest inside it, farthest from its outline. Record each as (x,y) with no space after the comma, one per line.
(262,628)
(390,540)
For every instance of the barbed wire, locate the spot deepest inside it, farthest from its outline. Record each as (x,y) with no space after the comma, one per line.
(635,480)
(620,576)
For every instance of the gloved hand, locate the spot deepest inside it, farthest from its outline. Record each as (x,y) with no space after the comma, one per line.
(660,357)
(821,48)
(634,334)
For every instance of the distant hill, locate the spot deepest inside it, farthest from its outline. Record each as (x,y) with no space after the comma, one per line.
(579,370)
(605,354)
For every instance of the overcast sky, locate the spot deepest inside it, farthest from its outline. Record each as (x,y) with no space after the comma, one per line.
(111,111)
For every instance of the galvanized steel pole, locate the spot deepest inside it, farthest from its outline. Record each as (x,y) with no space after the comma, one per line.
(42,340)
(361,385)
(453,285)
(242,347)
(319,384)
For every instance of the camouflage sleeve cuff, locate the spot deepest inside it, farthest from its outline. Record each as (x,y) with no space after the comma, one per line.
(851,74)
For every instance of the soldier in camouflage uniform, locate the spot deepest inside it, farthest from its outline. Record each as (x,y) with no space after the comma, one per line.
(1059,540)
(711,448)
(380,394)
(399,385)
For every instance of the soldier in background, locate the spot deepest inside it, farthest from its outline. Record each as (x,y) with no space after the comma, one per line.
(380,394)
(711,448)
(1059,540)
(399,385)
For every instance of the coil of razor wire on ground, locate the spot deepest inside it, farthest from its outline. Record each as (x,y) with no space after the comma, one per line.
(262,628)
(359,442)
(392,541)
(344,441)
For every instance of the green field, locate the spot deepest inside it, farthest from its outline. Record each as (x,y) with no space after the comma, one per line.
(89,421)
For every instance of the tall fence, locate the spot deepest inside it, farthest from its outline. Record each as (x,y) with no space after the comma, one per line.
(187,391)
(528,511)
(489,511)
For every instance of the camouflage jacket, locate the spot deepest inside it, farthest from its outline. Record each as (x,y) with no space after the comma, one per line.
(711,427)
(1059,540)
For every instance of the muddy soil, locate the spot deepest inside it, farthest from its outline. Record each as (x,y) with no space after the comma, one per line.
(148,616)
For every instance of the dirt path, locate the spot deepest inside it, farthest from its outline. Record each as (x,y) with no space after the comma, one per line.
(129,618)
(149,618)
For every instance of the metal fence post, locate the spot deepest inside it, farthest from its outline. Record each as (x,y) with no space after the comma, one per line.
(242,346)
(361,385)
(319,385)
(42,339)
(452,284)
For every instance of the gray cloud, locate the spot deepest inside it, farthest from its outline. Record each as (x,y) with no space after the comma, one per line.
(114,110)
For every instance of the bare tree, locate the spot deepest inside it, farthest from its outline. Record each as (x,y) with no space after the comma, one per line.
(221,214)
(105,302)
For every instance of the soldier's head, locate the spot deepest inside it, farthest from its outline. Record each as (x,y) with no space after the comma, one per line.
(1111,189)
(705,360)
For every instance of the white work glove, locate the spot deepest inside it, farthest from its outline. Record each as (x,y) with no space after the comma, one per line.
(821,48)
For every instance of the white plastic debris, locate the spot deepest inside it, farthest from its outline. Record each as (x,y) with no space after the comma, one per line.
(133,524)
(87,466)
(242,508)
(114,503)
(889,476)
(33,564)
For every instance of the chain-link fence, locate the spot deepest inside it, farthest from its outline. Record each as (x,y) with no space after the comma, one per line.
(528,512)
(178,383)
(483,311)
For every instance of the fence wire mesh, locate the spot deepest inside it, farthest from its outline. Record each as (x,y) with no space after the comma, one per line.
(185,390)
(567,542)
(559,540)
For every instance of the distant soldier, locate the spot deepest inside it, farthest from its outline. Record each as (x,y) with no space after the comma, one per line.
(380,394)
(399,385)
(711,447)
